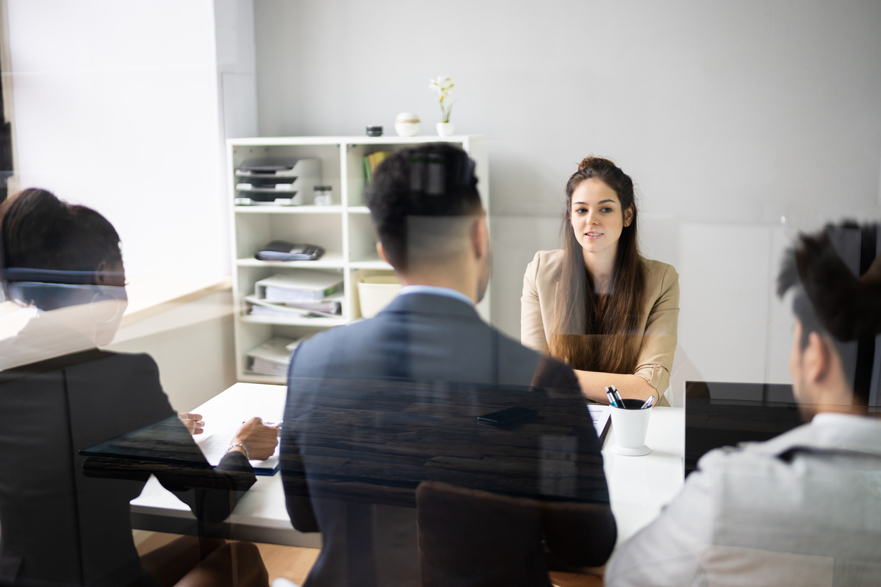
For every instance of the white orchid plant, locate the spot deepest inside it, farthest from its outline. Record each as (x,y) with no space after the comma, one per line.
(443,87)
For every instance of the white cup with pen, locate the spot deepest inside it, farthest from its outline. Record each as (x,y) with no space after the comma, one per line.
(630,421)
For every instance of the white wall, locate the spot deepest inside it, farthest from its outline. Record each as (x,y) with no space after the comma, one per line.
(120,106)
(728,115)
(125,107)
(237,72)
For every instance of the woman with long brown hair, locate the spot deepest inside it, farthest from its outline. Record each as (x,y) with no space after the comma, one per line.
(597,304)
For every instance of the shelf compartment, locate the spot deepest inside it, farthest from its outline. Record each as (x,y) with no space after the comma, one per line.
(356,151)
(362,238)
(369,262)
(255,231)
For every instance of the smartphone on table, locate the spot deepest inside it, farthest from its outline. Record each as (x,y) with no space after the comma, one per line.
(506,416)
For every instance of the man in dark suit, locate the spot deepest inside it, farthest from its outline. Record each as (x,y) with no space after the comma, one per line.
(377,407)
(66,520)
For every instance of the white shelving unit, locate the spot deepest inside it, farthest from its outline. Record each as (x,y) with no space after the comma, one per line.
(344,229)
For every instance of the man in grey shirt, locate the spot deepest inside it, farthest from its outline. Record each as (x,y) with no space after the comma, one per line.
(803,508)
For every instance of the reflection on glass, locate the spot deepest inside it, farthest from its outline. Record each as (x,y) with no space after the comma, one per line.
(803,507)
(64,517)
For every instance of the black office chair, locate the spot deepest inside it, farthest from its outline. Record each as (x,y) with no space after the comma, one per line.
(471,538)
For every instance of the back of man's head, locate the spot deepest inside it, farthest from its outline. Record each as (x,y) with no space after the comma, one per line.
(40,232)
(828,297)
(422,200)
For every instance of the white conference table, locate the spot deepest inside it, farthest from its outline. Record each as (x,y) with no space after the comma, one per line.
(638,486)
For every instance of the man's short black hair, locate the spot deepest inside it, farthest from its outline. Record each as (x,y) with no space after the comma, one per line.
(46,239)
(431,181)
(829,298)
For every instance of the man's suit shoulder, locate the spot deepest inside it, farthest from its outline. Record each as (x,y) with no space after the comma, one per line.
(314,356)
(336,339)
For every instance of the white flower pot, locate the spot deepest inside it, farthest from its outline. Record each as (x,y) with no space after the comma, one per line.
(445,129)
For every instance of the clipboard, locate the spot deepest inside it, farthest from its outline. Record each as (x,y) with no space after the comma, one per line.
(601,416)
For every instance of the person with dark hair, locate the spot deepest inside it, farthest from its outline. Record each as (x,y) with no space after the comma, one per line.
(802,508)
(54,258)
(378,407)
(60,394)
(43,233)
(424,229)
(597,304)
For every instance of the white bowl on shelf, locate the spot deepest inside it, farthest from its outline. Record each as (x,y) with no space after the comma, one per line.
(407,124)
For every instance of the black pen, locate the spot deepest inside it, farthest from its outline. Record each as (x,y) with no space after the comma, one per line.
(618,397)
(611,397)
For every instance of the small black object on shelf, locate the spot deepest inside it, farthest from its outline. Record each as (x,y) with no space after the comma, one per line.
(374,131)
(285,251)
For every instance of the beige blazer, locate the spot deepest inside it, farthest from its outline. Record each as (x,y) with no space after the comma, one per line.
(658,320)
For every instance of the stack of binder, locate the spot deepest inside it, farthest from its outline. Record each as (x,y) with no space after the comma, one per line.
(372,161)
(305,293)
(273,356)
(276,182)
(329,307)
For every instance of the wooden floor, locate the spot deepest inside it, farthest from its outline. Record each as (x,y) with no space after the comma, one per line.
(575,580)
(293,563)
